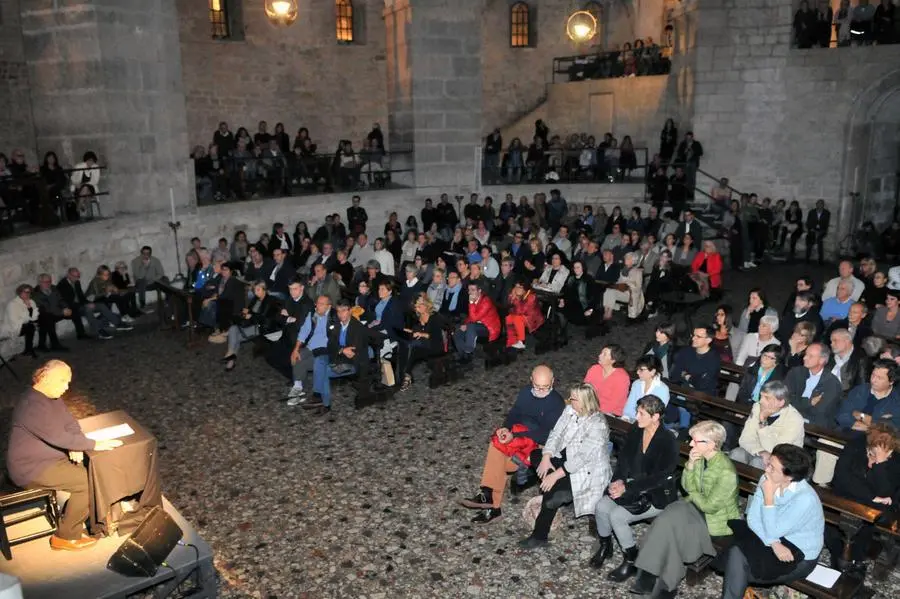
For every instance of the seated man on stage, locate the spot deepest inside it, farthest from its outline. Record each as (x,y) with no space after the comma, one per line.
(45,451)
(537,408)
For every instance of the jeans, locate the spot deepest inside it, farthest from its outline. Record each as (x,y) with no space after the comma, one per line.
(465,341)
(237,334)
(107,317)
(141,287)
(322,375)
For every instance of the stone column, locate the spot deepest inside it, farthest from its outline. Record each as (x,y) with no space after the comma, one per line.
(106,76)
(434,86)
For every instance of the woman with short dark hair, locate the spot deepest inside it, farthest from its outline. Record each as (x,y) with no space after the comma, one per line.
(641,488)
(783,535)
(609,379)
(663,347)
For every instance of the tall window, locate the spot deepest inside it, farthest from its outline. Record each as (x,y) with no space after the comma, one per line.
(218,19)
(343,10)
(519,25)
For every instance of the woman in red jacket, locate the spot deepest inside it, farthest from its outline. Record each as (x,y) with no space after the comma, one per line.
(524,314)
(481,321)
(706,270)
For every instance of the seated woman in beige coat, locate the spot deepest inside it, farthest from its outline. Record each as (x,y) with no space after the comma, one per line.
(629,289)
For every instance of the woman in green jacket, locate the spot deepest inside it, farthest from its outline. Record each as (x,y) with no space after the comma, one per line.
(684,530)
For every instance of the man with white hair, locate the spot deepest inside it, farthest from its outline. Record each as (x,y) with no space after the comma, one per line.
(845,273)
(838,307)
(46,448)
(848,363)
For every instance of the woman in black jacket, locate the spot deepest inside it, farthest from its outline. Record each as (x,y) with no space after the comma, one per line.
(259,318)
(615,218)
(643,485)
(793,224)
(423,339)
(668,140)
(868,471)
(661,280)
(663,347)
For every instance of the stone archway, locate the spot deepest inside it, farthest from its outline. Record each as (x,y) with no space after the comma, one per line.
(871,160)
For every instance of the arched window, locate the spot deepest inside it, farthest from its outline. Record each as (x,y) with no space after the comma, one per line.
(519,25)
(343,12)
(218,19)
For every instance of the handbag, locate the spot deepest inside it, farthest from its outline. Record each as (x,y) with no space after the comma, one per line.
(665,492)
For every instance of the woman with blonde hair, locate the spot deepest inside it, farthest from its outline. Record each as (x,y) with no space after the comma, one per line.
(574,465)
(685,529)
(422,340)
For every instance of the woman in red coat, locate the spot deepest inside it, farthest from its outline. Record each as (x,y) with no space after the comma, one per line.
(524,314)
(481,321)
(706,270)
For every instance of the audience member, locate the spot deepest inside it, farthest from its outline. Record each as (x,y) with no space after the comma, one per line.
(310,351)
(523,315)
(643,484)
(877,401)
(609,379)
(804,310)
(21,318)
(772,421)
(845,273)
(147,270)
(52,309)
(697,366)
(767,367)
(73,296)
(663,347)
(885,322)
(648,382)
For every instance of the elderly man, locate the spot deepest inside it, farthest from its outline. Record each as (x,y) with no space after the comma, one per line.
(772,420)
(837,307)
(52,310)
(855,323)
(532,417)
(848,363)
(362,252)
(45,451)
(482,321)
(72,294)
(845,273)
(310,350)
(804,311)
(814,390)
(321,284)
(147,270)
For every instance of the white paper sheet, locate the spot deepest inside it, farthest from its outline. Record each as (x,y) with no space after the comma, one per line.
(824,577)
(110,432)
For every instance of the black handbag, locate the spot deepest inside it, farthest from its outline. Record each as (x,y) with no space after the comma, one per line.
(664,493)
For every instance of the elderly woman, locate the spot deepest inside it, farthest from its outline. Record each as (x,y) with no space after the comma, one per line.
(574,466)
(754,343)
(757,307)
(706,270)
(782,536)
(424,339)
(684,531)
(554,276)
(867,471)
(21,318)
(629,289)
(643,485)
(258,318)
(648,382)
(524,314)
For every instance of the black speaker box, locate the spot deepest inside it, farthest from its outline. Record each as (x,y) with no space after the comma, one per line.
(148,547)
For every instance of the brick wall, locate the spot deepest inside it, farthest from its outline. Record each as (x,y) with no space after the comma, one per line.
(16,126)
(300,75)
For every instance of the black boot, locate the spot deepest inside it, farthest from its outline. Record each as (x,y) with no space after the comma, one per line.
(643,583)
(627,568)
(603,553)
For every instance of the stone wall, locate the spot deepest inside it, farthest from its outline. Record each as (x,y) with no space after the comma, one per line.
(300,75)
(516,79)
(778,120)
(16,126)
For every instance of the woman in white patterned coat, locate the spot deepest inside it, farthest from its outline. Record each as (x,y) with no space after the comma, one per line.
(574,466)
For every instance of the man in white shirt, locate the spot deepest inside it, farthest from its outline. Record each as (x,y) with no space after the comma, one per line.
(561,241)
(385,258)
(845,272)
(362,253)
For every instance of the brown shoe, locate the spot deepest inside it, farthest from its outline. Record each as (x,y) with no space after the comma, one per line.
(60,544)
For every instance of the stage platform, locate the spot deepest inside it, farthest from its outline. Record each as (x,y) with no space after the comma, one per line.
(48,574)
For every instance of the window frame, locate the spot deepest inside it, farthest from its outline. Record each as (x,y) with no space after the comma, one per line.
(218,19)
(344,21)
(520,14)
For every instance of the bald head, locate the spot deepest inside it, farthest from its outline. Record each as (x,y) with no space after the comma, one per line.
(542,376)
(52,379)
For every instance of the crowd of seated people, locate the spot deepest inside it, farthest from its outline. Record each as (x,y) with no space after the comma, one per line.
(642,57)
(236,165)
(39,192)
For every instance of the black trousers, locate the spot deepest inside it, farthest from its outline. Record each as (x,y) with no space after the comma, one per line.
(555,498)
(47,328)
(63,475)
(817,239)
(738,576)
(412,353)
(28,329)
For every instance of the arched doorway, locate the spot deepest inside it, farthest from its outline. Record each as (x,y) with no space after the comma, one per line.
(872,158)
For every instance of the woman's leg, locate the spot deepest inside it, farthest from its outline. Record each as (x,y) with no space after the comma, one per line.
(559,495)
(234,340)
(27,331)
(515,329)
(737,574)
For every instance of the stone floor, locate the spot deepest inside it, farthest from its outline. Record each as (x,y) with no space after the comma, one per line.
(360,503)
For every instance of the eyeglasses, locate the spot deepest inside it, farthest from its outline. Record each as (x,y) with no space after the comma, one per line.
(699,441)
(769,356)
(542,387)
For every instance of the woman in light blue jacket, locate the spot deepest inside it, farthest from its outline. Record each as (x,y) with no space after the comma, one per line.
(649,382)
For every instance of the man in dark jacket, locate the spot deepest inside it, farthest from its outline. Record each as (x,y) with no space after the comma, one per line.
(429,215)
(557,208)
(73,296)
(357,217)
(805,310)
(537,407)
(282,274)
(446,217)
(856,324)
(52,309)
(848,363)
(814,391)
(294,310)
(817,221)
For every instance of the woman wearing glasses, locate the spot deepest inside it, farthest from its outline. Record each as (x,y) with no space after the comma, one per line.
(574,466)
(683,532)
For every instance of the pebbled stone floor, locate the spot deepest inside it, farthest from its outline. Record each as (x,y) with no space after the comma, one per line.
(358,504)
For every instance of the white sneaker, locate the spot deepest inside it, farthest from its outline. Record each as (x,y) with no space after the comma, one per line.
(296,396)
(518,345)
(127,318)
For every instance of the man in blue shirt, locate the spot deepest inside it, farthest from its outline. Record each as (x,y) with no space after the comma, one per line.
(537,407)
(877,401)
(310,350)
(837,307)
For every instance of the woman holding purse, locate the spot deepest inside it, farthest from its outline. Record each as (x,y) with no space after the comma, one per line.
(256,319)
(640,489)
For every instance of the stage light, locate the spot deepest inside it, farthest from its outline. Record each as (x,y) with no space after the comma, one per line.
(581,26)
(281,12)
